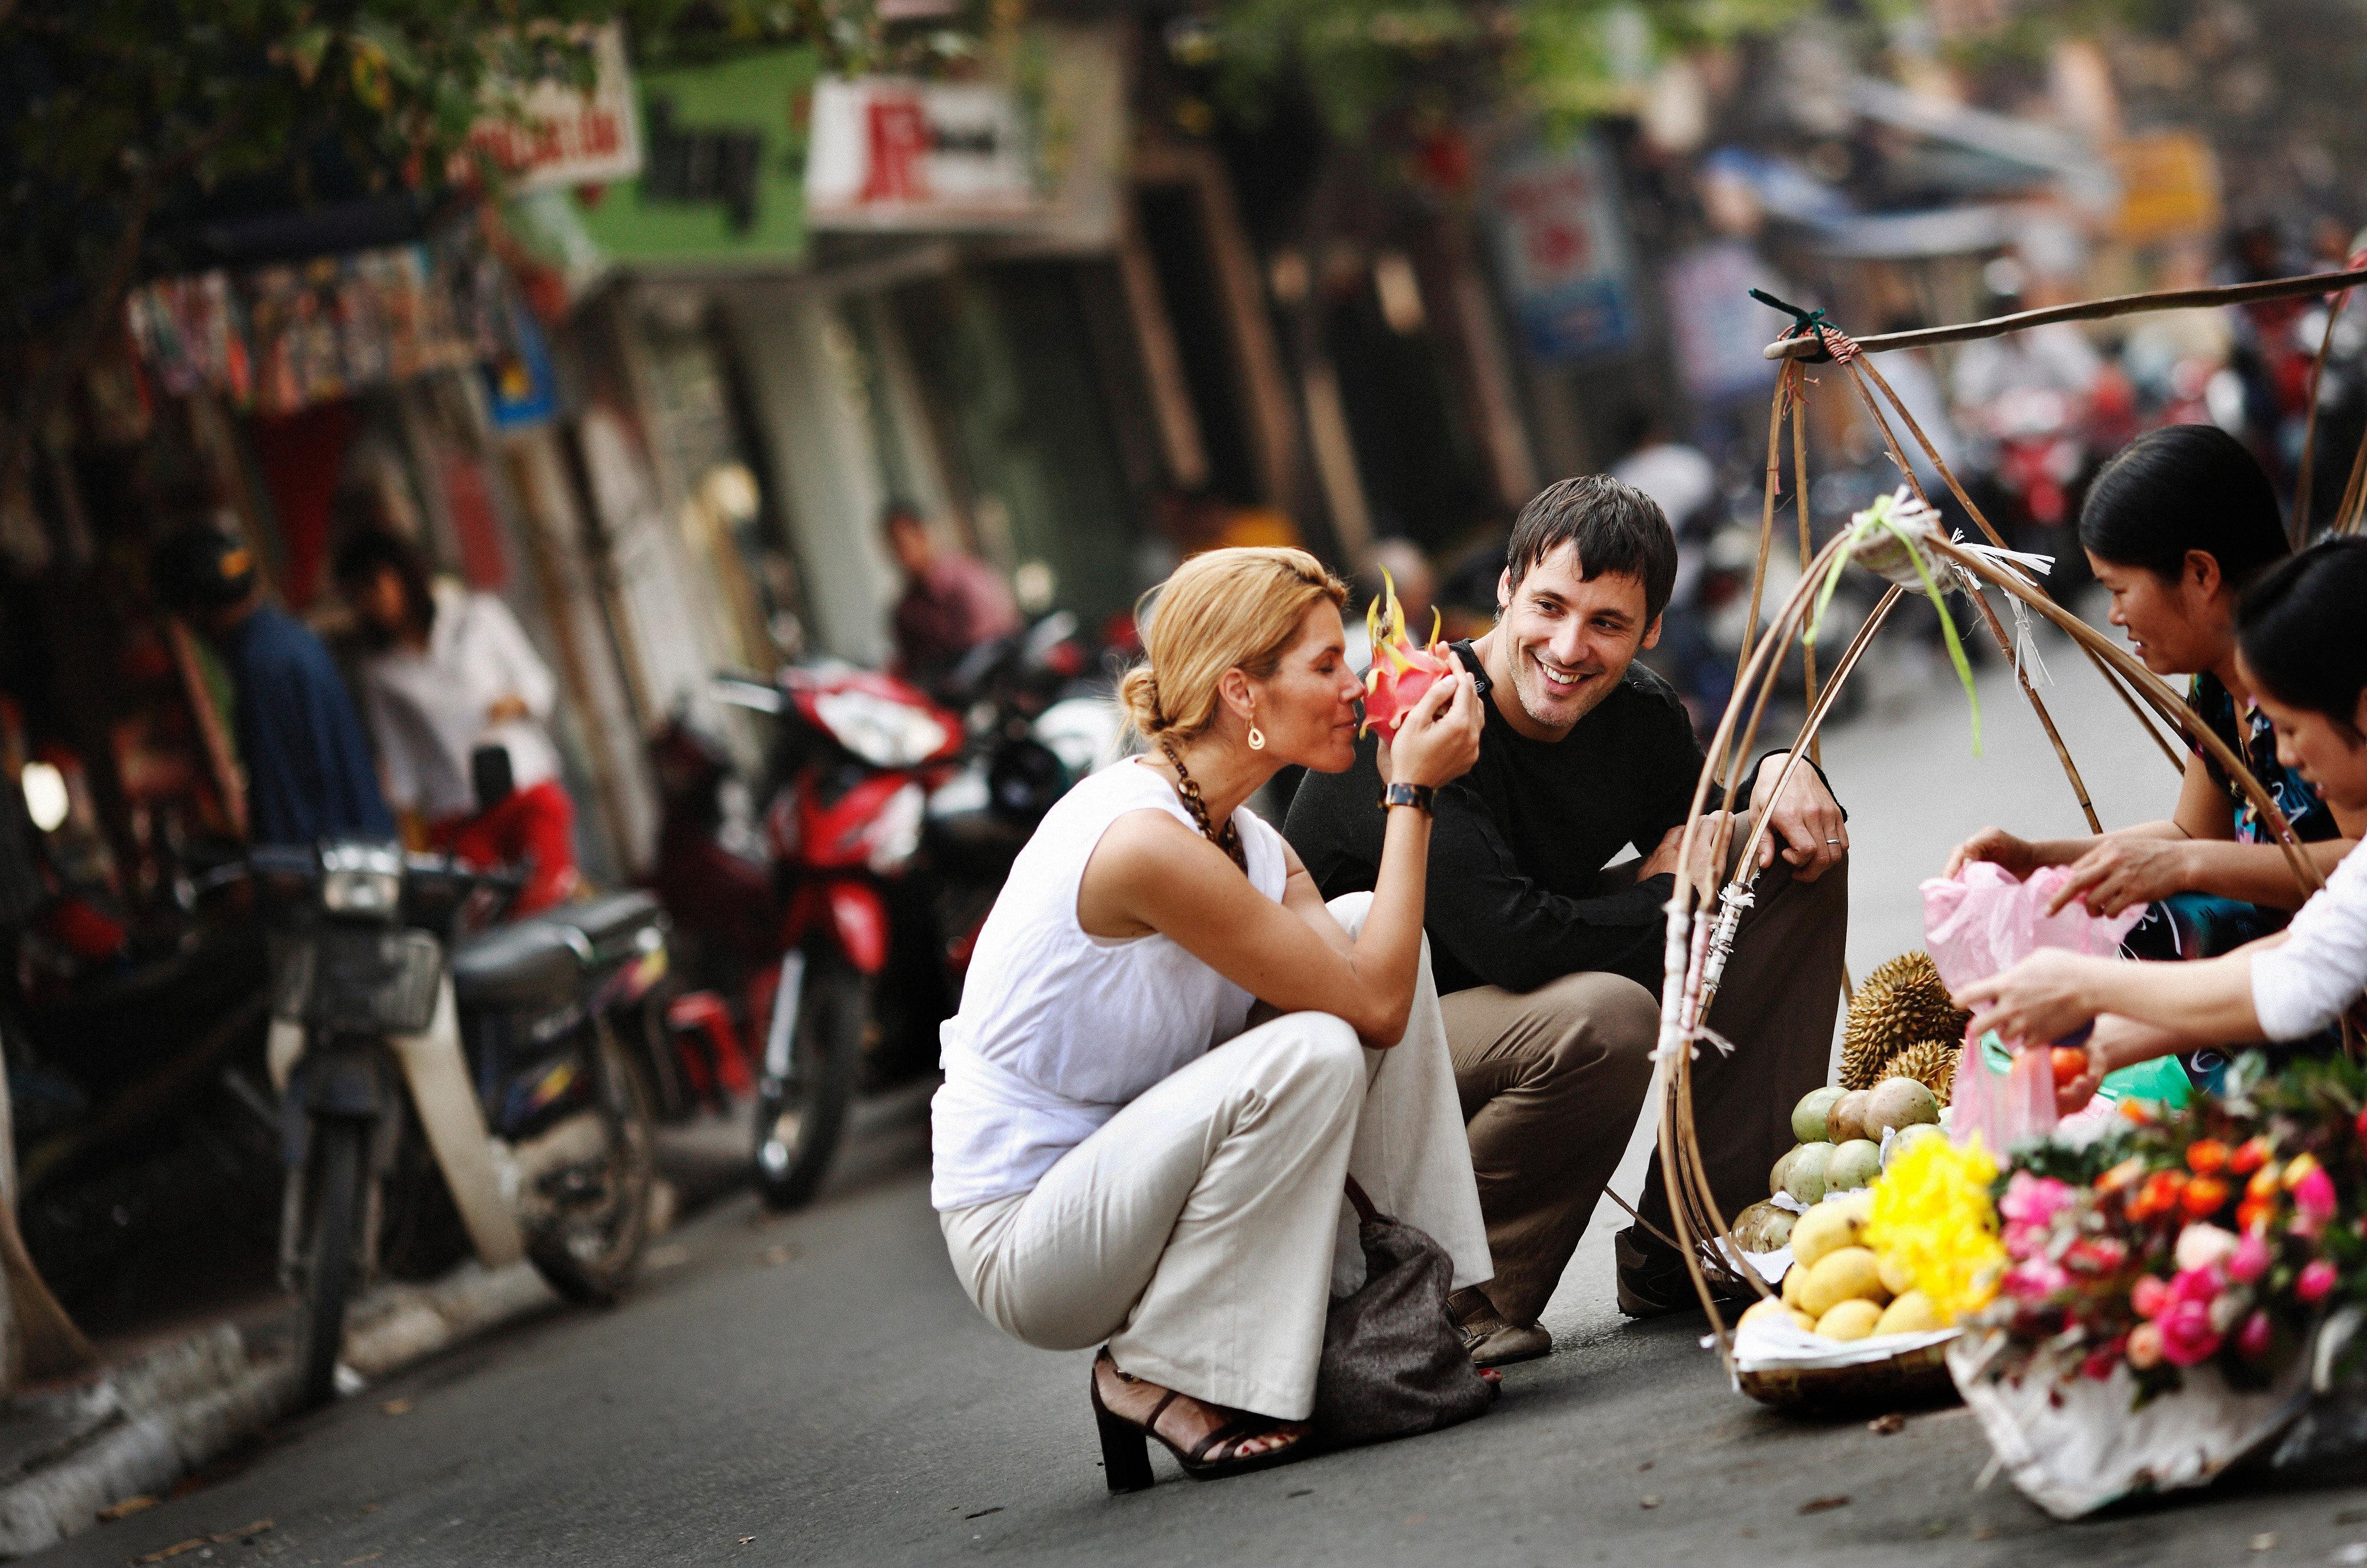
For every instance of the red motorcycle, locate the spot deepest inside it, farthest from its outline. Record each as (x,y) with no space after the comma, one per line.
(833,936)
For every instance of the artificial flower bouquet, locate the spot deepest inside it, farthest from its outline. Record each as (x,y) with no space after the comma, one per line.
(2145,1314)
(2216,1233)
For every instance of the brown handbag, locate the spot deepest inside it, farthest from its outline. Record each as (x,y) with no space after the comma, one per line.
(1393,1363)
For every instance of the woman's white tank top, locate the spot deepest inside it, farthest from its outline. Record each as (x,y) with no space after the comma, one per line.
(1058,1030)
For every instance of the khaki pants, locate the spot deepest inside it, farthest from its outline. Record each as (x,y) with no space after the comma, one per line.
(1202,1230)
(1552,1081)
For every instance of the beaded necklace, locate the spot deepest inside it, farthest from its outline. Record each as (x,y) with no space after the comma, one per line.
(1229,840)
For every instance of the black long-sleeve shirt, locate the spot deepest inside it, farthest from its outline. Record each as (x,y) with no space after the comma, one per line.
(1517,894)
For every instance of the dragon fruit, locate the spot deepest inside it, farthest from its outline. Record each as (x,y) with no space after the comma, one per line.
(1402,671)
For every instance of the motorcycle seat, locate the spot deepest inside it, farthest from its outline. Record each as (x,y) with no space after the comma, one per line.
(609,924)
(529,967)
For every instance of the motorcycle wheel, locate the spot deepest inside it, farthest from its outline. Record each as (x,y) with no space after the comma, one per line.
(330,1264)
(798,1119)
(591,1251)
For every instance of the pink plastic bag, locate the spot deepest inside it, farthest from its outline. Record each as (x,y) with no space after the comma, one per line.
(2003,1109)
(1982,921)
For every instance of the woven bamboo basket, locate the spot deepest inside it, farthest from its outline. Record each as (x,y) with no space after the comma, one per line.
(1700,933)
(1914,1377)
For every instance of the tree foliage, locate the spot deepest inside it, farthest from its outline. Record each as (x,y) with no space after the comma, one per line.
(1369,62)
(122,112)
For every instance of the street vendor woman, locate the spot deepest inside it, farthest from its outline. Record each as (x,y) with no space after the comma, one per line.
(2301,659)
(2174,527)
(1121,1154)
(1548,963)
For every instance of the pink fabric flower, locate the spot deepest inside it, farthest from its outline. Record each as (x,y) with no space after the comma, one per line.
(2249,1260)
(2144,1345)
(2252,1342)
(2033,1200)
(2314,1195)
(2196,1285)
(2150,1295)
(2096,1254)
(2316,1277)
(2187,1337)
(2034,1280)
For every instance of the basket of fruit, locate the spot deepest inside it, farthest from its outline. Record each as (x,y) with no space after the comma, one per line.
(1852,1325)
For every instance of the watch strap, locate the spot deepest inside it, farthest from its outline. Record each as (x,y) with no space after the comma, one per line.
(1420,796)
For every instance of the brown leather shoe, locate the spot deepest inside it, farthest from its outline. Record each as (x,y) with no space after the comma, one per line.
(1652,1279)
(1489,1339)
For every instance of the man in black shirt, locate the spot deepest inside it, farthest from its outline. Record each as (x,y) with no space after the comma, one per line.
(1549,964)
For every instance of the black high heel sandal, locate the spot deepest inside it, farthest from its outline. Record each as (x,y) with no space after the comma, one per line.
(1126,1443)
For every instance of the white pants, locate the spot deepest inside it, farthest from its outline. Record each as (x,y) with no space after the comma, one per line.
(1202,1230)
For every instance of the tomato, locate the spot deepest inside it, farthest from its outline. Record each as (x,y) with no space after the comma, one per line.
(2069,1063)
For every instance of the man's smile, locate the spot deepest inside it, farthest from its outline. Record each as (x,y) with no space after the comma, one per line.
(1560,681)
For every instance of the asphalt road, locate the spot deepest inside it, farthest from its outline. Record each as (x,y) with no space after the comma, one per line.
(815,1390)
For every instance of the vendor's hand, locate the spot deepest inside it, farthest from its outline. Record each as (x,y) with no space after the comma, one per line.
(2017,857)
(1662,860)
(2036,1002)
(506,708)
(2121,872)
(1805,818)
(1440,738)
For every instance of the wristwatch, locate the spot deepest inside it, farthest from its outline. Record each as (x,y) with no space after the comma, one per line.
(1419,796)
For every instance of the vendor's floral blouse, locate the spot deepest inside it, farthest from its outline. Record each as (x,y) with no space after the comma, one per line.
(2252,737)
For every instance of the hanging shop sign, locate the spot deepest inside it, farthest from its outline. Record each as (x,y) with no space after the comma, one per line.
(1563,253)
(551,133)
(722,160)
(278,338)
(1040,154)
(2170,188)
(1719,328)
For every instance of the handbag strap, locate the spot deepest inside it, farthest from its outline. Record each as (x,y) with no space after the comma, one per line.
(1362,1205)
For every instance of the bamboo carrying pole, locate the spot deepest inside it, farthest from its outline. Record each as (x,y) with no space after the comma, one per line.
(1692,955)
(2088,311)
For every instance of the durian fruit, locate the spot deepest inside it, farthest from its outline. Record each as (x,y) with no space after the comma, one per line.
(1902,1002)
(1932,1063)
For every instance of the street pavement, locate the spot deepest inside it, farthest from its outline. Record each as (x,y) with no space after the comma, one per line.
(814,1388)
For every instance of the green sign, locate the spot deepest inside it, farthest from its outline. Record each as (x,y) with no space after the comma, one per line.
(722,173)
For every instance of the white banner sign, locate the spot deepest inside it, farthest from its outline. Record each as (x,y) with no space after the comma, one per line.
(892,154)
(558,134)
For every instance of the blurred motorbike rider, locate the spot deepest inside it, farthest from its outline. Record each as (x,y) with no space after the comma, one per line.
(457,696)
(308,764)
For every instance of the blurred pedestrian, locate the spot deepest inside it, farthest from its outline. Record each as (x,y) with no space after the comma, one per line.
(308,764)
(952,601)
(459,703)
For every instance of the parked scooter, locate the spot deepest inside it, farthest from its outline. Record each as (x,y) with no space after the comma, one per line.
(862,976)
(404,1050)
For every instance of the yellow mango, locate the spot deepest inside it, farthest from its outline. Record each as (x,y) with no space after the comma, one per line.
(1852,1319)
(1825,1229)
(1852,1272)
(1912,1313)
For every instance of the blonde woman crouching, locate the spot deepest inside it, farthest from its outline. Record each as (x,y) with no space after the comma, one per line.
(1118,1156)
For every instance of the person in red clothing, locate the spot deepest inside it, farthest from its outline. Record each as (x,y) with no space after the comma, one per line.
(458,702)
(952,602)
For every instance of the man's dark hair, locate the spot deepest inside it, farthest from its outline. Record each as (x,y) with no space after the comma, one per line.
(202,568)
(1616,528)
(2184,487)
(366,554)
(2298,627)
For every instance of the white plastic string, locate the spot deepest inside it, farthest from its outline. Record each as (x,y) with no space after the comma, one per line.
(2032,567)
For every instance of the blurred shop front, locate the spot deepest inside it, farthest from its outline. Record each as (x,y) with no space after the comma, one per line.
(823,294)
